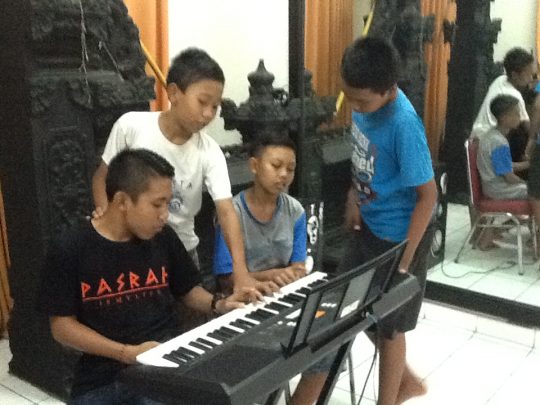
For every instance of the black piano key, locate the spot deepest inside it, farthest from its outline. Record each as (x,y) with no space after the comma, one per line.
(262,315)
(188,352)
(225,333)
(255,316)
(249,324)
(219,336)
(265,313)
(175,359)
(207,342)
(318,282)
(240,325)
(180,356)
(304,290)
(232,331)
(276,306)
(291,299)
(200,346)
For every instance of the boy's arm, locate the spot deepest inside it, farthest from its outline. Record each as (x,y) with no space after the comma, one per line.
(520,166)
(230,227)
(534,127)
(202,301)
(282,275)
(353,220)
(426,200)
(98,189)
(70,332)
(512,178)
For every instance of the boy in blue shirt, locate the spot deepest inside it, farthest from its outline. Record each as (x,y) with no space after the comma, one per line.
(274,229)
(392,197)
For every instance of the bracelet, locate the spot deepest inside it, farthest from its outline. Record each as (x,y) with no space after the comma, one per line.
(215,298)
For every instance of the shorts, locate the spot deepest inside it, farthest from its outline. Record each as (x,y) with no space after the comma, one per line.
(533,183)
(363,246)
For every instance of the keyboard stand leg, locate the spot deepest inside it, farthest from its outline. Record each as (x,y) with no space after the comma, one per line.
(333,374)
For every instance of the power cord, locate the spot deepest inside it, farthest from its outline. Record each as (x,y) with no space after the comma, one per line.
(375,355)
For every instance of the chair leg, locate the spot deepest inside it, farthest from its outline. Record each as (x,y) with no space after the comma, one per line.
(534,235)
(521,271)
(352,385)
(469,235)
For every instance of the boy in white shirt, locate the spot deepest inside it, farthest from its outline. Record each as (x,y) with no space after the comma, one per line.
(194,87)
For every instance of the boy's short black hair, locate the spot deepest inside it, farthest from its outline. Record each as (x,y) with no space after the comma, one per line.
(370,63)
(191,66)
(131,169)
(269,138)
(517,59)
(502,104)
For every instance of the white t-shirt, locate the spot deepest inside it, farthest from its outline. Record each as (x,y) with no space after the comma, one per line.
(485,119)
(198,160)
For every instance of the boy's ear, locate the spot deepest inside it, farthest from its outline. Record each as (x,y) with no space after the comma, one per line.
(253,163)
(120,199)
(173,91)
(392,92)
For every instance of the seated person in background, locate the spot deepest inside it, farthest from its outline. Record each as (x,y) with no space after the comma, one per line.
(109,285)
(520,68)
(494,160)
(274,228)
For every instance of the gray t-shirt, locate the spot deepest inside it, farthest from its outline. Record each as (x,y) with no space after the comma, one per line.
(272,244)
(494,161)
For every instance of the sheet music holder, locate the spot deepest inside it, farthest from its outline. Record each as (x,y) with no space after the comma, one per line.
(328,307)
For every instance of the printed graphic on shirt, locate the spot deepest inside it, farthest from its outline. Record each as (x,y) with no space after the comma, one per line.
(125,287)
(363,165)
(177,204)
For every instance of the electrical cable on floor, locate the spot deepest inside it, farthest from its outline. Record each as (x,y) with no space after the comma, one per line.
(374,359)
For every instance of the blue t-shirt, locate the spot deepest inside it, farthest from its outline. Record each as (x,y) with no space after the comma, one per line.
(390,158)
(272,244)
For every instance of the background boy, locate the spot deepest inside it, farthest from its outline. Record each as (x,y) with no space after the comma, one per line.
(274,228)
(494,160)
(194,87)
(519,69)
(392,196)
(109,285)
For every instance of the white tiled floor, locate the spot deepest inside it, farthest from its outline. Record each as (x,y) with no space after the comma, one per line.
(464,358)
(494,272)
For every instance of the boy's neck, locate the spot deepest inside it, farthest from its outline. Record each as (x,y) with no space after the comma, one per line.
(170,128)
(112,227)
(503,130)
(261,204)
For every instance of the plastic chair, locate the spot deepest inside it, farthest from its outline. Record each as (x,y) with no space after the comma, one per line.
(488,210)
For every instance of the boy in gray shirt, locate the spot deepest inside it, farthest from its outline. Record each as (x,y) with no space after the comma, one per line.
(494,160)
(274,230)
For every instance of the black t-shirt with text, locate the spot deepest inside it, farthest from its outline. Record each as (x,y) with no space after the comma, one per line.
(122,290)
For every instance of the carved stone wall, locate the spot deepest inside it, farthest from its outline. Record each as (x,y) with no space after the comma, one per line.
(401,22)
(71,68)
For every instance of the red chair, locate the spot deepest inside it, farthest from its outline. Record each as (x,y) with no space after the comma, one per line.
(488,210)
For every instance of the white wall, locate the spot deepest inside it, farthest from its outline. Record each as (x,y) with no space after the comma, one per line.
(518,25)
(237,33)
